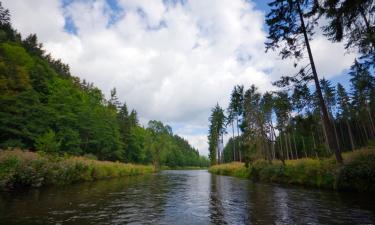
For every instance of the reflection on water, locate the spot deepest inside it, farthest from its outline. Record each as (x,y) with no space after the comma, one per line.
(183,197)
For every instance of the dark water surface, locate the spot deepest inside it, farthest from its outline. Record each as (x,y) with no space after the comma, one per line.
(184,197)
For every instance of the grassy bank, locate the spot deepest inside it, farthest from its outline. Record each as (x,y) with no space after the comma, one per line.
(23,169)
(183,168)
(357,172)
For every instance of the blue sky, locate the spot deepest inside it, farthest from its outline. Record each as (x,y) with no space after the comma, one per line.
(171,60)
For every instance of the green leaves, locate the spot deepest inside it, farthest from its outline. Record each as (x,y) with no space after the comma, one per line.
(48,143)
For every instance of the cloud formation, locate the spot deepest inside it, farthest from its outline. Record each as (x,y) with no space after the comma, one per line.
(170,60)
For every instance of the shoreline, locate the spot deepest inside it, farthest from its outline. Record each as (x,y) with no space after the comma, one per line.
(357,173)
(24,169)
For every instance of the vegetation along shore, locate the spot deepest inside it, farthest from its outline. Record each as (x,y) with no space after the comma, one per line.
(357,173)
(25,169)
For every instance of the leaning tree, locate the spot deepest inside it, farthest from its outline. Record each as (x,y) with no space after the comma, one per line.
(291,24)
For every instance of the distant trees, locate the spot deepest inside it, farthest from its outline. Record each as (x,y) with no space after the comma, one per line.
(43,107)
(298,130)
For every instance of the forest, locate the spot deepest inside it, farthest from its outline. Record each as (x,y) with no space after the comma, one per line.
(306,115)
(44,108)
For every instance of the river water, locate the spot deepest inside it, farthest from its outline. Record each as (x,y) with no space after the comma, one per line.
(184,197)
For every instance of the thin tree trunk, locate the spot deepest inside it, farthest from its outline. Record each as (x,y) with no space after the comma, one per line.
(281,148)
(325,137)
(371,122)
(286,147)
(350,134)
(334,128)
(234,143)
(274,139)
(365,132)
(329,128)
(312,134)
(290,146)
(238,135)
(295,145)
(304,147)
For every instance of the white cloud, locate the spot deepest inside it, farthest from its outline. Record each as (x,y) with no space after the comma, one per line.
(171,63)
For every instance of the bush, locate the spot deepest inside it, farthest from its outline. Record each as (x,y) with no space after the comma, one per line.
(357,173)
(23,169)
(48,143)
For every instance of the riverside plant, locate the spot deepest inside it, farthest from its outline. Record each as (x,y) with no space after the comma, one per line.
(25,169)
(357,173)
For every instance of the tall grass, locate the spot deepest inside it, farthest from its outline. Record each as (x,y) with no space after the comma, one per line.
(357,172)
(20,169)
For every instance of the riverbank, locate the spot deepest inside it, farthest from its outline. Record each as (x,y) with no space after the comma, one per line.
(24,169)
(183,168)
(356,174)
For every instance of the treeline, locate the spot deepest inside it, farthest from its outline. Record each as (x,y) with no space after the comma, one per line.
(43,107)
(306,116)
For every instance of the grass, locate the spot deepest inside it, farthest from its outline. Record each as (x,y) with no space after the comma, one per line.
(182,168)
(357,173)
(23,169)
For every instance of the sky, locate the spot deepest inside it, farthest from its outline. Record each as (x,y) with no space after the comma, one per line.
(171,60)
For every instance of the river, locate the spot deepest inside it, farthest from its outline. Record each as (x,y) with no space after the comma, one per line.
(183,197)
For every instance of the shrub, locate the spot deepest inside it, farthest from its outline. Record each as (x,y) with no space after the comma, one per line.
(48,143)
(357,173)
(23,169)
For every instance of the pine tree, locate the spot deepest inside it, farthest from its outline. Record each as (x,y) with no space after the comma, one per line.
(291,24)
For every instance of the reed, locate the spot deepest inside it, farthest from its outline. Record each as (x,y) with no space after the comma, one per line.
(23,169)
(357,173)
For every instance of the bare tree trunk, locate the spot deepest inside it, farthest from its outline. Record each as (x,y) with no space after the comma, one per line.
(304,147)
(325,138)
(234,142)
(274,139)
(328,125)
(238,135)
(290,146)
(312,134)
(295,145)
(334,128)
(286,147)
(365,132)
(350,134)
(371,121)
(281,148)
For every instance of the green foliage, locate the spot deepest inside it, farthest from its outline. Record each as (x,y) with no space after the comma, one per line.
(22,169)
(44,108)
(357,173)
(48,143)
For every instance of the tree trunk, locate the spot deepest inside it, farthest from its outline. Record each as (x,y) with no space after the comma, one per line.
(371,121)
(295,145)
(238,135)
(290,146)
(304,147)
(234,143)
(286,147)
(328,124)
(337,137)
(312,134)
(274,139)
(350,134)
(325,137)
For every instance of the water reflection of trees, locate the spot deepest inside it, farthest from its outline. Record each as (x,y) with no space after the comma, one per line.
(216,209)
(118,201)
